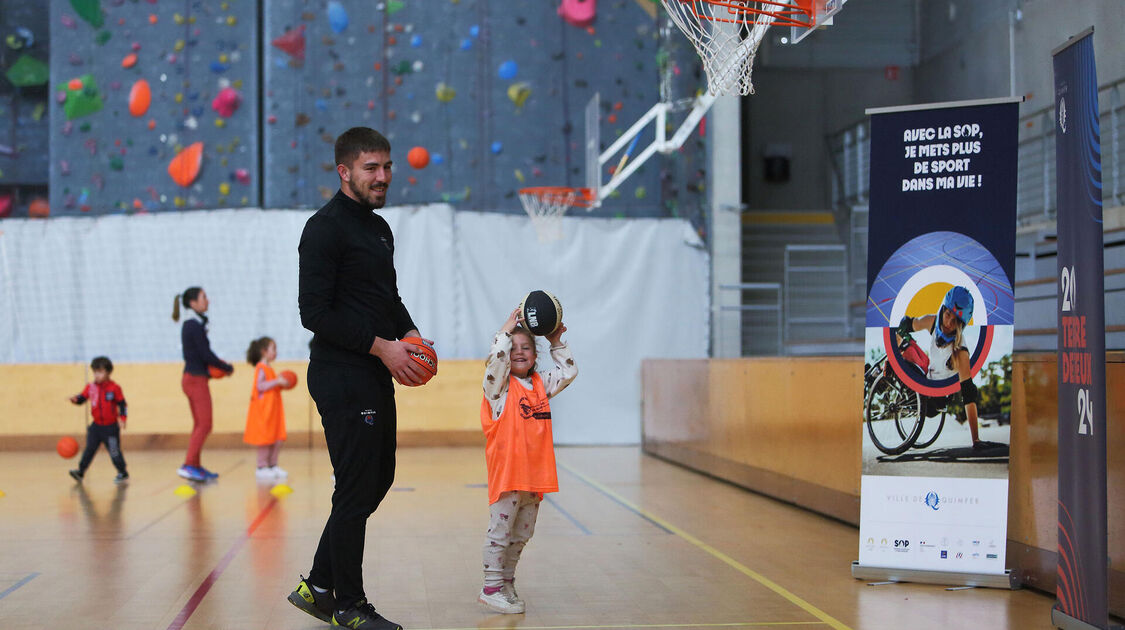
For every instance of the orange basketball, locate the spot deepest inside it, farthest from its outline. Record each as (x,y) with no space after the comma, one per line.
(290,377)
(67,447)
(418,157)
(424,356)
(215,372)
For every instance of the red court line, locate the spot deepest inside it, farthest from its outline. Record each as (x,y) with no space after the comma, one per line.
(201,592)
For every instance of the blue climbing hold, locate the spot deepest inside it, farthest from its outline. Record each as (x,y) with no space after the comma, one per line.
(337,16)
(508,70)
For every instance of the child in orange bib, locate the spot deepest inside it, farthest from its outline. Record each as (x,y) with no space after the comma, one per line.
(519,450)
(265,419)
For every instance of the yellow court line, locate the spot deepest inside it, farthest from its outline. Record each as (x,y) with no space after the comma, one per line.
(738,566)
(753,624)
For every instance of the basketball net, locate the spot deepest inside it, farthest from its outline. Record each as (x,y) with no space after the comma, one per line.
(726,34)
(546,205)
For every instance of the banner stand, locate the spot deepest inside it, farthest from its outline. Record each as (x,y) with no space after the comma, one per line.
(946,578)
(1059,619)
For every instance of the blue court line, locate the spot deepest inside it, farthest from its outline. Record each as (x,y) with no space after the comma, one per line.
(618,501)
(15,586)
(568,515)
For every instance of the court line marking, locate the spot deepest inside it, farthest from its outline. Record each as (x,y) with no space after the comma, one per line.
(11,589)
(749,624)
(738,566)
(568,515)
(212,577)
(612,496)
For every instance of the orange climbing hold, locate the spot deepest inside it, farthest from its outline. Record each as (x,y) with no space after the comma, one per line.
(184,168)
(140,97)
(129,61)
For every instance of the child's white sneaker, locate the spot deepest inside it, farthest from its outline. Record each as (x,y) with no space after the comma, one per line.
(510,589)
(278,471)
(264,474)
(501,601)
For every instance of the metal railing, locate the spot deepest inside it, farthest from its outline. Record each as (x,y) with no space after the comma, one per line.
(819,300)
(753,298)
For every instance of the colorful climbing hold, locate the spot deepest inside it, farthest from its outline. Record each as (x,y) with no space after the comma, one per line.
(508,70)
(129,61)
(226,102)
(89,10)
(518,93)
(292,43)
(185,167)
(337,16)
(418,157)
(140,97)
(28,70)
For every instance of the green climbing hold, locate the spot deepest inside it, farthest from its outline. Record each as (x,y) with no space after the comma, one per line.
(394,6)
(89,10)
(28,70)
(116,163)
(103,37)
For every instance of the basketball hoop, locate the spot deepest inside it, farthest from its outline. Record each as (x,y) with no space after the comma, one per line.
(728,51)
(546,205)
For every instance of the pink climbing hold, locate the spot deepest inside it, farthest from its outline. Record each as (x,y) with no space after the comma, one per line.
(226,102)
(580,13)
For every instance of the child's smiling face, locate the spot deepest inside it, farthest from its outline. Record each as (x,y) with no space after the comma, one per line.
(522,355)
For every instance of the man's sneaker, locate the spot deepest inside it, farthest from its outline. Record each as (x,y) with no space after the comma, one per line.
(279,472)
(501,601)
(122,477)
(207,474)
(362,616)
(319,605)
(76,475)
(191,473)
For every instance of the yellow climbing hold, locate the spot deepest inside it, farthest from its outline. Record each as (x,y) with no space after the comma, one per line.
(179,98)
(179,45)
(220,123)
(231,20)
(224,189)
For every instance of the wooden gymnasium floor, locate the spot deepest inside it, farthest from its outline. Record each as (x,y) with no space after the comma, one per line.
(629,542)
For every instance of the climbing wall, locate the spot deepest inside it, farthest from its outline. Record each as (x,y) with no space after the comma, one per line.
(134,84)
(494,91)
(24,46)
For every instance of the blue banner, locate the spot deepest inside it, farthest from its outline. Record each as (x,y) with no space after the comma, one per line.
(1082,587)
(939,336)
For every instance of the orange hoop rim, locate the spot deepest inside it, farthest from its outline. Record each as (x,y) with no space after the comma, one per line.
(580,197)
(779,13)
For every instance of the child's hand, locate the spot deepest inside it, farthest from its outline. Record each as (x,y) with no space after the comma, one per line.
(73,399)
(512,321)
(554,337)
(121,423)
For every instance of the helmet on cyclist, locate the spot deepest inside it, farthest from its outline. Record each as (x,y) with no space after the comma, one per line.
(959,302)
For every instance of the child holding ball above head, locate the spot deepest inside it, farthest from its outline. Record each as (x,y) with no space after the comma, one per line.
(265,419)
(520,454)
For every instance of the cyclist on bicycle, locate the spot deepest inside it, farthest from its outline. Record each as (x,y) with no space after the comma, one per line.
(947,354)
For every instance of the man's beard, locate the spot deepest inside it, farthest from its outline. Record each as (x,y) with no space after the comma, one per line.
(366,196)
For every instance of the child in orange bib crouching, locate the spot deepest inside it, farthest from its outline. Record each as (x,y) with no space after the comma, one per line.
(519,450)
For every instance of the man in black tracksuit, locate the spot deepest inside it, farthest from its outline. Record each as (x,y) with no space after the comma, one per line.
(348,297)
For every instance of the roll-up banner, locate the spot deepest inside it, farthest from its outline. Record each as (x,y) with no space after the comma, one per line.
(938,348)
(1082,587)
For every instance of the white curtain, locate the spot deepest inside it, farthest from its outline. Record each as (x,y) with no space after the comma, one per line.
(74,288)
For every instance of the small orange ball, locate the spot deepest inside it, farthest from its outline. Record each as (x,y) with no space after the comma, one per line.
(67,447)
(418,157)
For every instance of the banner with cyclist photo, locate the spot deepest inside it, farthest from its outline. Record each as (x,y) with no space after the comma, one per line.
(939,333)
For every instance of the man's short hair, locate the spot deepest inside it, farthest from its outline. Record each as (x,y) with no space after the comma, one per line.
(359,140)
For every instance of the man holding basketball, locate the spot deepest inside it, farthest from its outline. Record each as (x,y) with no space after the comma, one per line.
(348,297)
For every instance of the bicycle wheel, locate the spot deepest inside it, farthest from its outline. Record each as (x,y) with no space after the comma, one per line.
(931,429)
(889,406)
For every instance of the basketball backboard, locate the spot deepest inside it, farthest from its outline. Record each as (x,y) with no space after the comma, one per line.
(822,12)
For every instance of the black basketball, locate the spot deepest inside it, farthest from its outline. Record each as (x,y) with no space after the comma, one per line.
(542,312)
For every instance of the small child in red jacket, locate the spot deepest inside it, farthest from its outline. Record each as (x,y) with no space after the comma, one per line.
(107,406)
